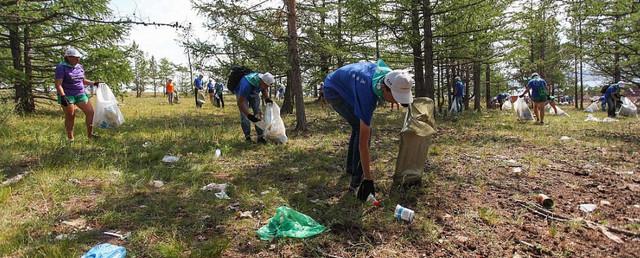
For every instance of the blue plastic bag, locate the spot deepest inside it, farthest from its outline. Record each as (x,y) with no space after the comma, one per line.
(106,251)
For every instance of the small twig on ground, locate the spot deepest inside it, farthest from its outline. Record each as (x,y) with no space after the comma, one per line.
(326,254)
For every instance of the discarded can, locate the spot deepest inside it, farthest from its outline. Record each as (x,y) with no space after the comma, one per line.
(403,213)
(544,200)
(372,199)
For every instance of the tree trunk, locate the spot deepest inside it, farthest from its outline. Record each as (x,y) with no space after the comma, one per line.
(294,60)
(287,105)
(339,36)
(427,89)
(467,95)
(16,57)
(477,70)
(487,85)
(580,58)
(26,102)
(450,74)
(416,45)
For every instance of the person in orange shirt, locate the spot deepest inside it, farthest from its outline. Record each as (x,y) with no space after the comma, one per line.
(170,90)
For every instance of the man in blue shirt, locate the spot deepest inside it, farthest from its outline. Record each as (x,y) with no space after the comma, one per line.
(198,90)
(248,95)
(458,93)
(219,98)
(353,92)
(211,91)
(538,94)
(612,96)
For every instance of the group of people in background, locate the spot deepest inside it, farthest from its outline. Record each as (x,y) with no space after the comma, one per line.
(215,90)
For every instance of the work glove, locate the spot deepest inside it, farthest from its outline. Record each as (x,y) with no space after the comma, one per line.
(268,100)
(64,101)
(521,96)
(366,188)
(253,118)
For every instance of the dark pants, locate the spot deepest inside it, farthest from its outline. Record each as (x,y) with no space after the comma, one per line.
(220,100)
(254,103)
(354,166)
(611,106)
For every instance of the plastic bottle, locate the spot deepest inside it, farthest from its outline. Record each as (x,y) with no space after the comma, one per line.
(218,153)
(403,213)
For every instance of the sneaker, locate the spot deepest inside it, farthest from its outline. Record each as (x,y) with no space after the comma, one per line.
(261,140)
(248,139)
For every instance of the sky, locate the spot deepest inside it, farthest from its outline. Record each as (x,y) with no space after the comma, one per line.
(160,41)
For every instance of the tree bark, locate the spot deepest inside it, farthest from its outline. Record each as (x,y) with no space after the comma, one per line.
(294,60)
(467,96)
(26,102)
(416,45)
(427,89)
(287,105)
(16,57)
(477,70)
(487,85)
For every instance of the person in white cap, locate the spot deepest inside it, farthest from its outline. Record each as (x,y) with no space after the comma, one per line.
(353,92)
(612,97)
(248,95)
(70,82)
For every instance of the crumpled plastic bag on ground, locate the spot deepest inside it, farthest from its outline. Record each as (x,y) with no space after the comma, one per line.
(507,105)
(106,251)
(288,222)
(593,107)
(220,189)
(552,112)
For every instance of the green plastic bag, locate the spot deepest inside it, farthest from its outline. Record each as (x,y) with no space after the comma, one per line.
(289,223)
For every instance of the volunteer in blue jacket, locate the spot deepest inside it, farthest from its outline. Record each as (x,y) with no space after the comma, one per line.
(199,84)
(458,92)
(353,92)
(612,96)
(539,94)
(248,95)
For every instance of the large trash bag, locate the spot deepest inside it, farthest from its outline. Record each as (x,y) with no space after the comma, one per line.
(507,105)
(550,110)
(522,110)
(106,251)
(107,113)
(455,106)
(290,223)
(628,108)
(273,125)
(415,138)
(593,107)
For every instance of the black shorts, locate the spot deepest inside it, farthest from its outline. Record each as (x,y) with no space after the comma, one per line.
(211,91)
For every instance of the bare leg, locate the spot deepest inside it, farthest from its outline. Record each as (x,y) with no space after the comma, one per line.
(88,113)
(69,117)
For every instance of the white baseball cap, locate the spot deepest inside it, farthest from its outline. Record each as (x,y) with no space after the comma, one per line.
(400,83)
(267,78)
(621,84)
(72,52)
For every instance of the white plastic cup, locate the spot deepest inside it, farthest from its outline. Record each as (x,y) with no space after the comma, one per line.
(403,213)
(218,153)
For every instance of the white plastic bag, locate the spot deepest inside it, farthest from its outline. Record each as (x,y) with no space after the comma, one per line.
(522,110)
(273,125)
(107,114)
(593,107)
(550,110)
(628,108)
(455,106)
(507,105)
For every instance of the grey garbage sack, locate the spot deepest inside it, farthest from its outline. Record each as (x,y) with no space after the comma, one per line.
(560,112)
(415,138)
(455,106)
(592,108)
(507,105)
(522,110)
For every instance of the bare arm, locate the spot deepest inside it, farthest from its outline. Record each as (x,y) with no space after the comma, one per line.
(365,158)
(59,87)
(242,105)
(88,82)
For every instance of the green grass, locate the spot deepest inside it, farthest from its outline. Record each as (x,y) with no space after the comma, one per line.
(107,181)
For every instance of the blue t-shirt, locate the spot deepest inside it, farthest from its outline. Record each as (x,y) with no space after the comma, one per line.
(502,96)
(614,88)
(353,84)
(459,89)
(538,87)
(198,83)
(250,83)
(210,86)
